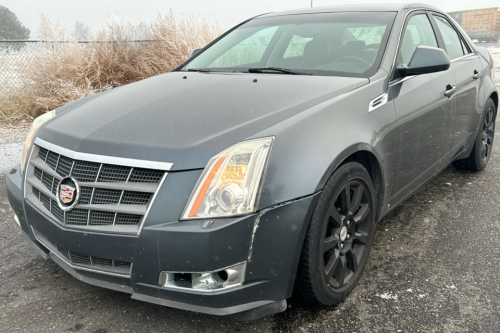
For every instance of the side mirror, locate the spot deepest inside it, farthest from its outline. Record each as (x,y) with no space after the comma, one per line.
(194,52)
(425,60)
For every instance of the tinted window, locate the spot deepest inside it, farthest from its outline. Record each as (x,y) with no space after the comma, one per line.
(418,32)
(249,50)
(339,44)
(296,46)
(450,36)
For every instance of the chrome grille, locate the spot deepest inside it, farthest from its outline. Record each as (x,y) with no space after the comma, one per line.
(114,173)
(127,219)
(85,195)
(101,218)
(112,198)
(64,166)
(56,211)
(42,153)
(136,198)
(146,176)
(106,196)
(77,217)
(85,171)
(80,217)
(52,159)
(46,201)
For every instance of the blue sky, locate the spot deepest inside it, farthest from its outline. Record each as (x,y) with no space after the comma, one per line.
(229,12)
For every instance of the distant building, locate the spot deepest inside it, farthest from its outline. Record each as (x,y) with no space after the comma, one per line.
(481,24)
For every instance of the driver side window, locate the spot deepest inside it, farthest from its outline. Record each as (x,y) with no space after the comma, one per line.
(418,32)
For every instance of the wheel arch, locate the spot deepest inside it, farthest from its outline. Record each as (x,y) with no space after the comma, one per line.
(494,97)
(367,156)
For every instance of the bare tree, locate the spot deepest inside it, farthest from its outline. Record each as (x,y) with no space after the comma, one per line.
(80,31)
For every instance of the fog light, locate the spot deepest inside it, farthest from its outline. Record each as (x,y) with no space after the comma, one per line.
(205,281)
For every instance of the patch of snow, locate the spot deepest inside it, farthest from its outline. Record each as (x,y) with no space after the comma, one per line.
(388,296)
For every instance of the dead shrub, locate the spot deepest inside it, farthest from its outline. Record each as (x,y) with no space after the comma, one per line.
(66,71)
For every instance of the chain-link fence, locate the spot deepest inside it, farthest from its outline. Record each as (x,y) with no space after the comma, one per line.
(14,56)
(17,58)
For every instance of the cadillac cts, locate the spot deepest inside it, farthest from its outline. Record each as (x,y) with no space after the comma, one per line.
(262,164)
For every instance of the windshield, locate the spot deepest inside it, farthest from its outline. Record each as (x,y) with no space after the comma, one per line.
(337,44)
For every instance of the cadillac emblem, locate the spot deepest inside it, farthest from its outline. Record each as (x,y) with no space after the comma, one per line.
(69,193)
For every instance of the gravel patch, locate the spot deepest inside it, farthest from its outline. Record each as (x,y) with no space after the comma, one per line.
(11,145)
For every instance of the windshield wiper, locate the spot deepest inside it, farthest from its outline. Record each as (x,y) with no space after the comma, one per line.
(276,69)
(202,70)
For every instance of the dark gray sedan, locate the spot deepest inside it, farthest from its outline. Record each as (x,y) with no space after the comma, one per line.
(262,164)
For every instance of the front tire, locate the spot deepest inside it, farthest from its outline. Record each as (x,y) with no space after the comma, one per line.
(483,144)
(339,237)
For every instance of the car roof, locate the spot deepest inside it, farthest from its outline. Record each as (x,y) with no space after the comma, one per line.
(369,7)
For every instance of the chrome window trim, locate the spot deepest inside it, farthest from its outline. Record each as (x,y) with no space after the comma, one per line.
(102,158)
(151,203)
(400,36)
(397,81)
(452,22)
(463,57)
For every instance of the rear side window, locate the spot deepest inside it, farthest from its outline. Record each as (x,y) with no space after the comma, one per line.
(454,46)
(418,32)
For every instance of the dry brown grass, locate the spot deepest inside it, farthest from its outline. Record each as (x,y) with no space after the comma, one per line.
(64,72)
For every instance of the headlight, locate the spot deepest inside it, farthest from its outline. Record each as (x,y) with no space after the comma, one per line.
(230,183)
(28,144)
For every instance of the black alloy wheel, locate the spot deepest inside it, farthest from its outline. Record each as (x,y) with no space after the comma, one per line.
(339,237)
(346,233)
(487,134)
(483,144)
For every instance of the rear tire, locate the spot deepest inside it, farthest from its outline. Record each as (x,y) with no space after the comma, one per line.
(483,144)
(339,237)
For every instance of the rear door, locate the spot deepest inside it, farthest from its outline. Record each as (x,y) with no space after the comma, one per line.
(425,115)
(467,68)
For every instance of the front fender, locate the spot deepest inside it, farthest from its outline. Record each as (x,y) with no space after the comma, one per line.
(306,153)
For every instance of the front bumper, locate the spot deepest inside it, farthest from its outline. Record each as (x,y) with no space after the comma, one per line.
(269,242)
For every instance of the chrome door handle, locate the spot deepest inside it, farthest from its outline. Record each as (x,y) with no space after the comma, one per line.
(450,91)
(476,75)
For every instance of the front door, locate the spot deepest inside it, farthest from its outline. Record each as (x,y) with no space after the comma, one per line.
(425,114)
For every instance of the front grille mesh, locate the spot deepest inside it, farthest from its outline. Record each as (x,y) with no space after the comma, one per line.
(81,259)
(145,176)
(76,217)
(106,196)
(135,198)
(95,174)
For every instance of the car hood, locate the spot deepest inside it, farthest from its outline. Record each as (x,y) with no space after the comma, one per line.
(186,118)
